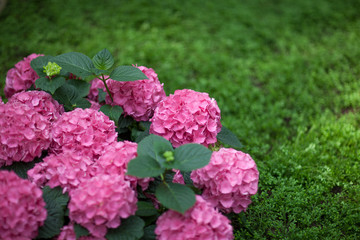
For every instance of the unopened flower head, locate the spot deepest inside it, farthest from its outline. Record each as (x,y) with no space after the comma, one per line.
(52,69)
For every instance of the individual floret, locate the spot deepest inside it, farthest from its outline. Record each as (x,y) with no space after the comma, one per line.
(137,98)
(201,221)
(24,133)
(21,77)
(42,102)
(187,117)
(115,159)
(101,202)
(228,180)
(84,130)
(66,170)
(22,208)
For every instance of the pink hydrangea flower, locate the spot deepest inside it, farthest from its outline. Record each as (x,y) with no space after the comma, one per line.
(94,105)
(201,221)
(22,208)
(187,117)
(84,130)
(178,177)
(100,203)
(1,101)
(21,77)
(137,98)
(42,102)
(228,180)
(24,133)
(95,85)
(68,233)
(115,159)
(66,170)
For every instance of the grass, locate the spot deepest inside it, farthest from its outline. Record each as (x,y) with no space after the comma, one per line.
(284,73)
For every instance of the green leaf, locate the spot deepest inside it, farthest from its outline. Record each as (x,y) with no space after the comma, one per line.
(101,96)
(68,95)
(21,168)
(38,64)
(129,229)
(145,209)
(82,86)
(154,146)
(75,63)
(145,133)
(55,206)
(175,196)
(103,60)
(191,156)
(80,231)
(149,233)
(228,137)
(127,73)
(144,166)
(49,85)
(113,112)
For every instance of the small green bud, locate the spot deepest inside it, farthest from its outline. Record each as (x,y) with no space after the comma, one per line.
(52,69)
(169,156)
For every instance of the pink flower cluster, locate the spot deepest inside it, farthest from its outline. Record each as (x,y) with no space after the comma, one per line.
(21,77)
(228,180)
(138,98)
(115,159)
(101,202)
(187,117)
(84,130)
(24,133)
(66,170)
(94,89)
(42,102)
(22,208)
(201,221)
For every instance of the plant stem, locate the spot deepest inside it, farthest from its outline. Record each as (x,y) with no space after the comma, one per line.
(106,86)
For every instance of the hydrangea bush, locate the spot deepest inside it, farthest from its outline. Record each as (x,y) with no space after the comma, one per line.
(100,152)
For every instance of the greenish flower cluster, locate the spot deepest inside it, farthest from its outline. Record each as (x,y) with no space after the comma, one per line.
(52,69)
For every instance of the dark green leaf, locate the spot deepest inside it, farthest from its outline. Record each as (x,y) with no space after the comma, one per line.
(68,95)
(81,103)
(75,63)
(191,156)
(187,178)
(154,146)
(145,133)
(38,64)
(49,85)
(144,166)
(125,122)
(145,209)
(20,168)
(228,137)
(101,96)
(98,72)
(149,233)
(130,229)
(127,73)
(113,112)
(55,206)
(175,196)
(103,60)
(80,231)
(82,86)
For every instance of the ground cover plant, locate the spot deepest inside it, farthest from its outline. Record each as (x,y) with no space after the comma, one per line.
(285,75)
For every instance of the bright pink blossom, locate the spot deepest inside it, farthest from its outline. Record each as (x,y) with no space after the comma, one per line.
(42,102)
(228,180)
(137,98)
(21,77)
(24,133)
(84,130)
(66,170)
(22,208)
(201,221)
(187,117)
(100,203)
(94,105)
(115,159)
(1,101)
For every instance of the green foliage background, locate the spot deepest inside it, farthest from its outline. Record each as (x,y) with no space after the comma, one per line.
(284,73)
